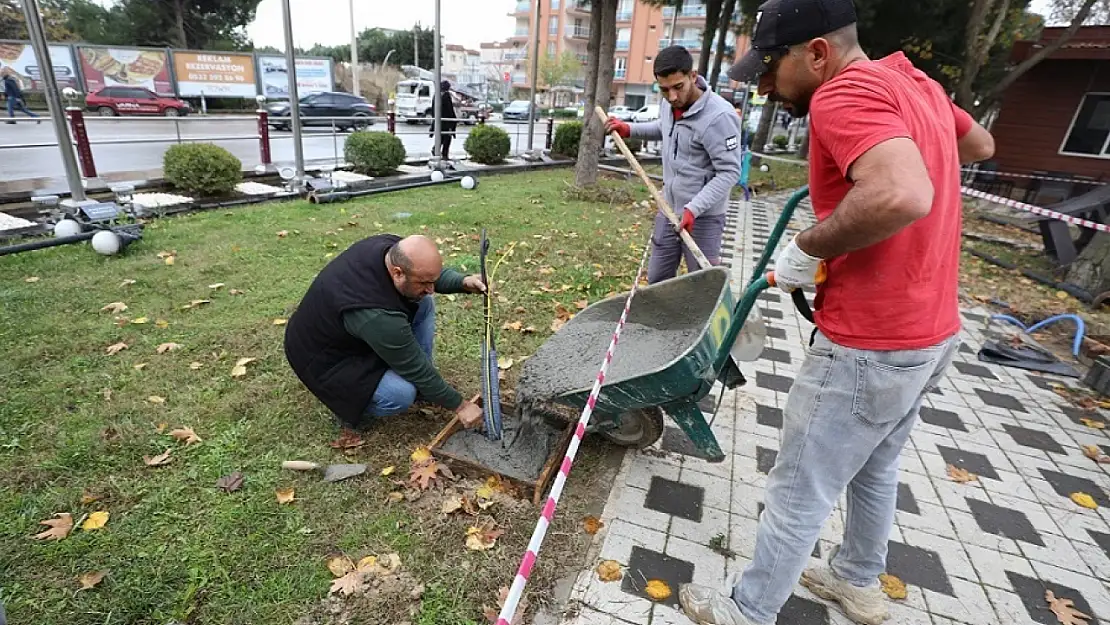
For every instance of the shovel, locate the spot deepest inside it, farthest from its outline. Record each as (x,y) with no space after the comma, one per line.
(332,472)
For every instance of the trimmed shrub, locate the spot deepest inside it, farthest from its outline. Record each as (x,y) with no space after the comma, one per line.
(374,153)
(202,168)
(488,144)
(780,141)
(634,145)
(567,137)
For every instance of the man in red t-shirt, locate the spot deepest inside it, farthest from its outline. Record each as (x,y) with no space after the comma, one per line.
(885,150)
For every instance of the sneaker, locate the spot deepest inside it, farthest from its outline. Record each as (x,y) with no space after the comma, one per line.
(866,606)
(706,606)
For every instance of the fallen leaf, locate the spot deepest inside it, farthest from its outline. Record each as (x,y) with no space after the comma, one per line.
(280,321)
(106,393)
(582,304)
(367,564)
(195,365)
(1065,611)
(591,525)
(236,292)
(1084,500)
(139,320)
(1061,295)
(161,459)
(348,439)
(609,571)
(658,590)
(386,472)
(196,303)
(282,234)
(156,400)
(31,279)
(115,348)
(162,324)
(452,504)
(961,476)
(390,562)
(115,308)
(87,498)
(528,330)
(483,537)
(60,527)
(169,260)
(424,473)
(139,366)
(161,427)
(166,254)
(420,454)
(557,324)
(91,579)
(167,347)
(127,282)
(514,325)
(395,497)
(230,482)
(96,520)
(1092,423)
(285,495)
(217,286)
(349,584)
(186,435)
(240,368)
(894,587)
(504,363)
(492,614)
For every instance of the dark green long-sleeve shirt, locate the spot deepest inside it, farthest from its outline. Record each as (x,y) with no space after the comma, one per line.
(389,334)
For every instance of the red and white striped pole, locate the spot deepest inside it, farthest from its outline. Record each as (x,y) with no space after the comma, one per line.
(1005,201)
(548,514)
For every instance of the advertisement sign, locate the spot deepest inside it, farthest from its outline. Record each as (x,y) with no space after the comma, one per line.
(20,57)
(214,74)
(130,67)
(313,76)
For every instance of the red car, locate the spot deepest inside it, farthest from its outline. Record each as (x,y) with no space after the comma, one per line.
(112,101)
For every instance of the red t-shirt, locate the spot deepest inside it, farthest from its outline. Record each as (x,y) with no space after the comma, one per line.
(900,293)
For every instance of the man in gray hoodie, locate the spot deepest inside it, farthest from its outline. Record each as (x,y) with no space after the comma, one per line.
(701,161)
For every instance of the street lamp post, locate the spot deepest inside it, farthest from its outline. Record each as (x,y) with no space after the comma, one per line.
(294,100)
(354,49)
(438,91)
(387,55)
(534,78)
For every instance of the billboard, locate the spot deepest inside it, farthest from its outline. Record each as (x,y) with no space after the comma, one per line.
(214,74)
(313,76)
(131,67)
(20,57)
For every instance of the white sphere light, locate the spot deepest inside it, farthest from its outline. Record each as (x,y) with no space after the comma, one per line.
(764,167)
(468,182)
(437,176)
(107,243)
(66,228)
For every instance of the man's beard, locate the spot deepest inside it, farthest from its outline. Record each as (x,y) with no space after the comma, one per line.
(797,109)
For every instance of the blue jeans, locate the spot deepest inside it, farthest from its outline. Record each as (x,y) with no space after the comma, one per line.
(17,104)
(395,394)
(846,420)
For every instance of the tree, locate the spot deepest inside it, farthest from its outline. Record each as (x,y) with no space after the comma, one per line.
(722,37)
(556,70)
(195,24)
(712,18)
(55,22)
(599,80)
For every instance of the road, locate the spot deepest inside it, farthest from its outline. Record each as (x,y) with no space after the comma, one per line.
(28,151)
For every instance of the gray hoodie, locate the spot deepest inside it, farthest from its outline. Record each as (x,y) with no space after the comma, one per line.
(701,152)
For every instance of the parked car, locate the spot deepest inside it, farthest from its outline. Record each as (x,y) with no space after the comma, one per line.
(622,113)
(649,113)
(470,110)
(317,108)
(112,101)
(519,110)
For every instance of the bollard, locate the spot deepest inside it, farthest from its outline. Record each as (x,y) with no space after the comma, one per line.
(264,136)
(391,122)
(550,132)
(81,138)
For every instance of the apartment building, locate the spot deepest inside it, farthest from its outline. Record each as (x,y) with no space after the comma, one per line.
(462,66)
(642,30)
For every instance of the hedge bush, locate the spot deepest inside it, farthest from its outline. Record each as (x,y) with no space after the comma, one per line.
(780,141)
(567,137)
(487,144)
(375,153)
(634,145)
(202,168)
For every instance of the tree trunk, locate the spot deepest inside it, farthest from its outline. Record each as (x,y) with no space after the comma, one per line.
(605,65)
(803,149)
(179,23)
(976,47)
(712,17)
(766,121)
(988,99)
(1091,270)
(722,36)
(585,169)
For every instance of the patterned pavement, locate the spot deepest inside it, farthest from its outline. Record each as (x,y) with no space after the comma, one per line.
(980,553)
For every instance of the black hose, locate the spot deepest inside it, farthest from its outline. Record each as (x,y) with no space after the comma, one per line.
(127,233)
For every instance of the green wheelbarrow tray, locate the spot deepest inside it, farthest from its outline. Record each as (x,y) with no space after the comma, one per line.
(629,411)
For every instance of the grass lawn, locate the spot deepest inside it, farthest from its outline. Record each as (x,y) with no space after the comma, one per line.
(76,422)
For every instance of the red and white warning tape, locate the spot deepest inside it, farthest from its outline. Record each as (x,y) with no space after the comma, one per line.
(997,199)
(1007,174)
(538,534)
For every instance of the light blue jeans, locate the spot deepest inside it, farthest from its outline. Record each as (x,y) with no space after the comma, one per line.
(846,420)
(395,394)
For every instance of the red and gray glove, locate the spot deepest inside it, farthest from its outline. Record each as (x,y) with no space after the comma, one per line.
(621,128)
(687,222)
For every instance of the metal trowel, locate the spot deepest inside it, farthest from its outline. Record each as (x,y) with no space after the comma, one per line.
(332,472)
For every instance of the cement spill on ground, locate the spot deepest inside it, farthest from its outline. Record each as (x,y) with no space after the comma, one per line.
(521,457)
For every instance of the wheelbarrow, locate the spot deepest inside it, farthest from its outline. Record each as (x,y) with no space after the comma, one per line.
(631,407)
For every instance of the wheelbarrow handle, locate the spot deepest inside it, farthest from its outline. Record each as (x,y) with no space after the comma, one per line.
(798,296)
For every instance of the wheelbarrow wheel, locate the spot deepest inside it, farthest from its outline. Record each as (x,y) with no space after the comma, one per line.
(638,428)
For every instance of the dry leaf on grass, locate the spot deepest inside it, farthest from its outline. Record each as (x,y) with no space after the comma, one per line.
(167,347)
(31,279)
(591,525)
(139,366)
(169,260)
(340,565)
(582,304)
(348,439)
(894,587)
(280,321)
(115,348)
(1094,452)
(157,400)
(387,471)
(115,308)
(161,459)
(139,320)
(195,365)
(657,590)
(240,368)
(91,579)
(504,363)
(483,537)
(451,504)
(515,325)
(285,495)
(217,286)
(127,282)
(424,473)
(282,234)
(161,324)
(349,584)
(1065,611)
(491,614)
(962,476)
(230,482)
(395,497)
(1084,500)
(609,571)
(96,520)
(185,435)
(420,454)
(60,527)
(87,498)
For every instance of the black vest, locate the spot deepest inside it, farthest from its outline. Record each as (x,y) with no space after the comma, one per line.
(339,368)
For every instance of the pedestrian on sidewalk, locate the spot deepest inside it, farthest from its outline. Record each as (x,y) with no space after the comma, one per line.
(447,123)
(14,93)
(885,157)
(700,133)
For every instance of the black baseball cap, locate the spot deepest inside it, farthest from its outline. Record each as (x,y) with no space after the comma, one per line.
(780,24)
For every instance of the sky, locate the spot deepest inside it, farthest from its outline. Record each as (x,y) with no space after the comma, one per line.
(465,22)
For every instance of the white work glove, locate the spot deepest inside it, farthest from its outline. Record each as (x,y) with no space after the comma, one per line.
(794,268)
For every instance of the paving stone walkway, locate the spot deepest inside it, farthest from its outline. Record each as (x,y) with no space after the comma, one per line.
(980,553)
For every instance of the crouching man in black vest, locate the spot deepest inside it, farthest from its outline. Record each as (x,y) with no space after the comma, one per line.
(361,339)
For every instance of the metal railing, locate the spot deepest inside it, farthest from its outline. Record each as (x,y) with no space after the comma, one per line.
(689,10)
(578,32)
(622,45)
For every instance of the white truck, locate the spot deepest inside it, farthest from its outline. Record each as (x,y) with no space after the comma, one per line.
(415,103)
